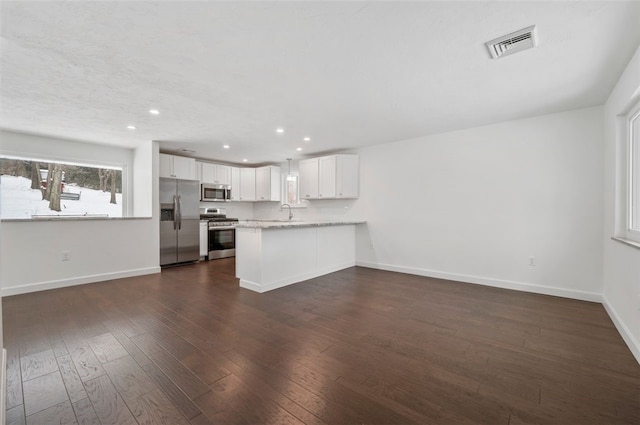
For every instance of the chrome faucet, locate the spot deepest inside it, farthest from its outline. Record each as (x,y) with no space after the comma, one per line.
(290,213)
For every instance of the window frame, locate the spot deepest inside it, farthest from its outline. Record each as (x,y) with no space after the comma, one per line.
(632,177)
(123,168)
(300,203)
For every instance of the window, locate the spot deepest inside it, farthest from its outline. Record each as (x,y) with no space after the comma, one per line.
(292,193)
(31,188)
(633,181)
(291,189)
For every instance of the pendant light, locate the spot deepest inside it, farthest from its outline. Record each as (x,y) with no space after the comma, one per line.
(290,177)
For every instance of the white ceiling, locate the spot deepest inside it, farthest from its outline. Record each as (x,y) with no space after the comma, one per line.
(347,74)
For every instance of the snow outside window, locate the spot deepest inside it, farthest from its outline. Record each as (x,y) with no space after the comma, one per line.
(32,189)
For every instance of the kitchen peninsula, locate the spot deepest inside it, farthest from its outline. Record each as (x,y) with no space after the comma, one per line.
(273,254)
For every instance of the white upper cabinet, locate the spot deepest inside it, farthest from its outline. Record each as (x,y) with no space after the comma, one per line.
(214,173)
(347,176)
(308,169)
(177,167)
(235,183)
(268,183)
(247,184)
(166,165)
(329,177)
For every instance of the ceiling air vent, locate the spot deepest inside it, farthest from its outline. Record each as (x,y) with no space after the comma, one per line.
(512,43)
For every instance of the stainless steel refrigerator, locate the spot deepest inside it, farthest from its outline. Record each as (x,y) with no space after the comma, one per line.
(179,221)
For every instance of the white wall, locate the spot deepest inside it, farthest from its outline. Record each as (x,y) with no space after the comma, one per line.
(621,262)
(474,205)
(142,175)
(99,250)
(30,257)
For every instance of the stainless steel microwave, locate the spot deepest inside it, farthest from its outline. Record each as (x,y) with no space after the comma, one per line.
(215,192)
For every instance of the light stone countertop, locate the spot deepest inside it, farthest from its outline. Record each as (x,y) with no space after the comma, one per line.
(287,224)
(70,218)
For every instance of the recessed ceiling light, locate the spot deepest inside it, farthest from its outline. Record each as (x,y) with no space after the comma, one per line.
(245,160)
(307,139)
(225,146)
(298,149)
(131,127)
(154,111)
(280,130)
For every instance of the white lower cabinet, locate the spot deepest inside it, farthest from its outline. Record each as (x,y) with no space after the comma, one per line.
(268,259)
(204,238)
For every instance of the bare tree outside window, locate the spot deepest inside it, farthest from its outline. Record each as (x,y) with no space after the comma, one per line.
(56,188)
(35,175)
(102,176)
(46,193)
(112,177)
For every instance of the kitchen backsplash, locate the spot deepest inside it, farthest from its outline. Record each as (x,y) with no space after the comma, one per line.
(315,210)
(240,210)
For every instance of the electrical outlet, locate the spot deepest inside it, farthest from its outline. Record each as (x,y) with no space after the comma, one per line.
(66,256)
(532,261)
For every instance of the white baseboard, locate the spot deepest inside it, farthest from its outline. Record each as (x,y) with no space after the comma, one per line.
(624,331)
(270,286)
(290,280)
(80,280)
(3,387)
(498,283)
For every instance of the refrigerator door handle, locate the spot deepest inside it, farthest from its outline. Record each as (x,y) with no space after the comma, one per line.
(175,212)
(179,212)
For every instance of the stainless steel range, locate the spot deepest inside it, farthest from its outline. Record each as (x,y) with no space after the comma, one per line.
(221,238)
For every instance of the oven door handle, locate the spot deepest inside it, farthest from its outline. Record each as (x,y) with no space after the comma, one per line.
(222,227)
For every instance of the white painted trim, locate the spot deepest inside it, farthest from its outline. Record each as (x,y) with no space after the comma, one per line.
(3,387)
(335,267)
(270,286)
(61,283)
(294,279)
(624,331)
(498,283)
(252,286)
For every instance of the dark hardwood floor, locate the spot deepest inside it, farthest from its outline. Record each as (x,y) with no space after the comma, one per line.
(360,346)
